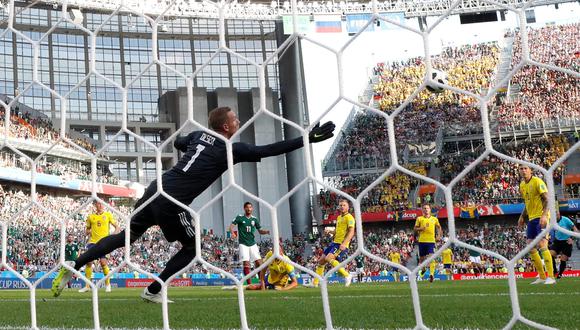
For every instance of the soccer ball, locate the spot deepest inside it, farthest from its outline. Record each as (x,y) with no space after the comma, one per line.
(440,77)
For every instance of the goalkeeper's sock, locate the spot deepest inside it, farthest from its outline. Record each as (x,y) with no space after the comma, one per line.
(538,263)
(319,271)
(106,272)
(89,272)
(548,261)
(175,264)
(246,272)
(103,247)
(341,270)
(562,267)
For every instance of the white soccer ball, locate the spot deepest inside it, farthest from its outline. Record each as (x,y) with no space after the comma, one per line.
(440,77)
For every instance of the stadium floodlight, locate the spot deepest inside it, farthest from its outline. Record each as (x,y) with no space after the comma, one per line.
(77,16)
(162,27)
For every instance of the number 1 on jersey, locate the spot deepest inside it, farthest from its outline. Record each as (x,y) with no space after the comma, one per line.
(199,149)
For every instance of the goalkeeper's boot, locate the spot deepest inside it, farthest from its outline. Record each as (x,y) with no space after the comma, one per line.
(60,281)
(153,297)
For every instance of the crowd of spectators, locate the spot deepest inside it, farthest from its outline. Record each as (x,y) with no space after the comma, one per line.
(364,143)
(496,181)
(493,181)
(540,93)
(38,130)
(24,126)
(34,241)
(34,236)
(545,94)
(506,240)
(383,241)
(391,194)
(469,67)
(67,169)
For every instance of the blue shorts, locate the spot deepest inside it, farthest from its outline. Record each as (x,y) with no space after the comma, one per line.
(90,245)
(334,248)
(447,266)
(533,229)
(426,249)
(267,284)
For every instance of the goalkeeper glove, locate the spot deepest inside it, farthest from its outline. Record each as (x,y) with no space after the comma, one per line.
(321,133)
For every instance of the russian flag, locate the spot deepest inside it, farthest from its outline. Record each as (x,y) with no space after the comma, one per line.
(328,26)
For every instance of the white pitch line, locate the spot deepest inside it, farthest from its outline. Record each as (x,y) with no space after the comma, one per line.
(437,295)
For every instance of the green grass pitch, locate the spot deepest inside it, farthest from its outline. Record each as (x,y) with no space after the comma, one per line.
(445,305)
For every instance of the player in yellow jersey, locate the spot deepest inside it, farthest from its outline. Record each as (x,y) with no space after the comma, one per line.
(338,249)
(98,224)
(426,225)
(447,256)
(395,257)
(535,195)
(279,275)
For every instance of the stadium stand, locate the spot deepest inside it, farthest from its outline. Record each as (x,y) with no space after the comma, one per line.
(391,194)
(544,94)
(363,143)
(496,181)
(26,127)
(535,96)
(361,146)
(65,168)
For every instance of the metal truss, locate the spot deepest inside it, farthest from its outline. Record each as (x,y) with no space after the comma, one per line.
(265,10)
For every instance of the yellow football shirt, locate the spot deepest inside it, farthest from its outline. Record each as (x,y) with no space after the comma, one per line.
(99,225)
(531,193)
(279,270)
(447,255)
(427,235)
(343,223)
(395,257)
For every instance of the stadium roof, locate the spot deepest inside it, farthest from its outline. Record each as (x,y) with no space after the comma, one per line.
(274,9)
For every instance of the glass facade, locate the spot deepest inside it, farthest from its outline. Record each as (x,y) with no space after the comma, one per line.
(123,56)
(123,53)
